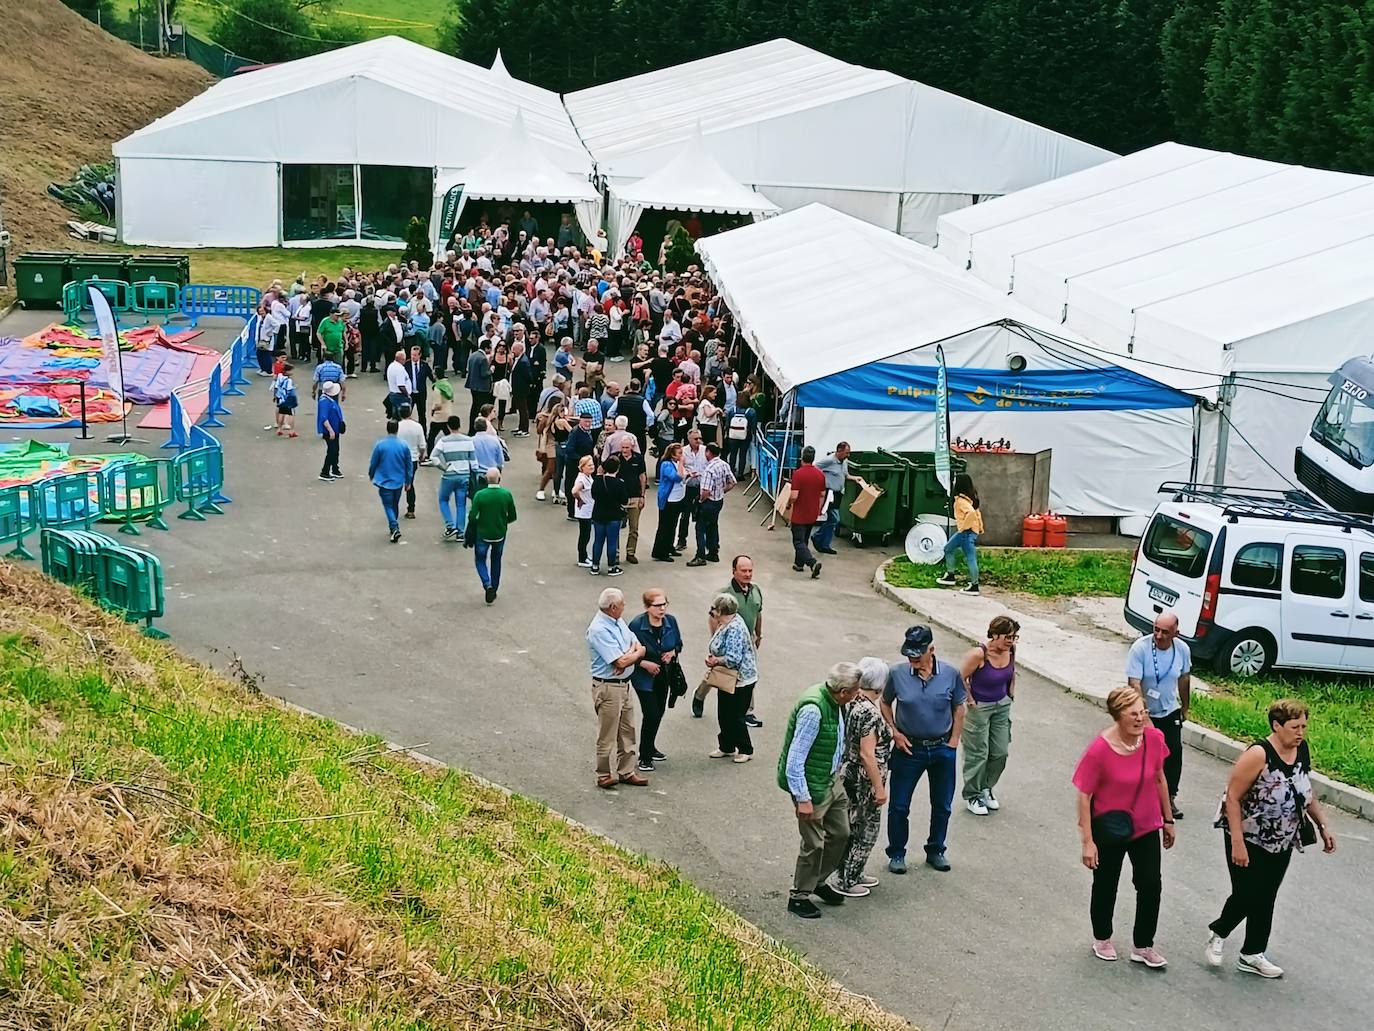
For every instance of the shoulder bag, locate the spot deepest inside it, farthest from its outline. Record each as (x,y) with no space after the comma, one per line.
(722,678)
(1117,826)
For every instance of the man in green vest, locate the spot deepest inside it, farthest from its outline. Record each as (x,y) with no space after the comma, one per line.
(809,771)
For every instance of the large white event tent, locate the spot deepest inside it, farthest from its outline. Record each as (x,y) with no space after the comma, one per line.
(341,147)
(1222,275)
(692,181)
(870,377)
(802,127)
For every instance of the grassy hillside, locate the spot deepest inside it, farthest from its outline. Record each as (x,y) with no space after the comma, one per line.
(177,851)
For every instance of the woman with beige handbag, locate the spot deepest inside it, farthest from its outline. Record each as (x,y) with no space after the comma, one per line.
(732,669)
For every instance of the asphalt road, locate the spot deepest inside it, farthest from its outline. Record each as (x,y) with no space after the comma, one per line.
(299,581)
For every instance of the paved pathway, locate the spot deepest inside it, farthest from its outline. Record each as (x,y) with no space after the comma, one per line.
(300,582)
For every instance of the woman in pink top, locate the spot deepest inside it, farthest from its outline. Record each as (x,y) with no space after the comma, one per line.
(1123,803)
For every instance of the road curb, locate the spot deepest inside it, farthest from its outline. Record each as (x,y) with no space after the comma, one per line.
(1204,739)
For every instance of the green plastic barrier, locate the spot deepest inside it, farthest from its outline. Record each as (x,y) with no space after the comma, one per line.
(72,557)
(16,520)
(138,492)
(76,298)
(64,502)
(130,583)
(155,297)
(199,475)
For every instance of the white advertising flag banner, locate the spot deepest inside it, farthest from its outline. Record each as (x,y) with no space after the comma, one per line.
(109,341)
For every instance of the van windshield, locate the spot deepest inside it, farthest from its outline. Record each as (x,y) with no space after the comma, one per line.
(1176,546)
(1345,424)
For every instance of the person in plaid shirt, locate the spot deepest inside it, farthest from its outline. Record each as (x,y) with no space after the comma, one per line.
(717,480)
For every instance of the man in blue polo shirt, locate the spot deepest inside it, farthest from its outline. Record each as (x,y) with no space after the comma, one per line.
(923,703)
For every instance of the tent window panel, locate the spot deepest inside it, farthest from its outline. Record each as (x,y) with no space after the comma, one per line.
(392,196)
(317,202)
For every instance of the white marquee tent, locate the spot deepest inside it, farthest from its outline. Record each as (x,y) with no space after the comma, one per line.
(1212,270)
(517,169)
(1115,433)
(314,144)
(692,181)
(801,127)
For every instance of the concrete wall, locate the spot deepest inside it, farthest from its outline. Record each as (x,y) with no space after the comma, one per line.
(1010,487)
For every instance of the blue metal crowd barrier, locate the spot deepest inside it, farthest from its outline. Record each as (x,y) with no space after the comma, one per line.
(201,299)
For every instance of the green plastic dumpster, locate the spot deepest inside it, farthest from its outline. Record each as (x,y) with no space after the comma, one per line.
(890,474)
(924,493)
(162,268)
(99,266)
(39,277)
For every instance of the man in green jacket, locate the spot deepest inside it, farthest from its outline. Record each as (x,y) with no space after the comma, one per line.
(490,513)
(809,771)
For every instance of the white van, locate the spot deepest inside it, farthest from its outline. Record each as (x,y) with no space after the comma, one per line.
(1258,579)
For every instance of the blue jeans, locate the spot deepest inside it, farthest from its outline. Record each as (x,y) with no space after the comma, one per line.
(391,505)
(824,537)
(606,535)
(708,528)
(489,553)
(965,540)
(939,762)
(453,502)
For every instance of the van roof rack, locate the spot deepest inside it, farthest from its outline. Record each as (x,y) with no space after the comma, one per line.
(1295,506)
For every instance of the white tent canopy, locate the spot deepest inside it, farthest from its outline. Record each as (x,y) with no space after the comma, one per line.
(1107,462)
(692,181)
(800,127)
(1201,265)
(517,169)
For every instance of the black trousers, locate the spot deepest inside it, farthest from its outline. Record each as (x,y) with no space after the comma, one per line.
(410,496)
(667,527)
(652,705)
(331,456)
(1145,863)
(584,535)
(1254,890)
(687,513)
(801,544)
(1171,726)
(730,710)
(479,398)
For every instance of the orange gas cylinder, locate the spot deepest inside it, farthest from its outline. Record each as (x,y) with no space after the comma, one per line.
(1033,531)
(1056,531)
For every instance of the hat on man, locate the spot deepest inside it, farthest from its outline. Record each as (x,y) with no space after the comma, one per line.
(331,389)
(918,641)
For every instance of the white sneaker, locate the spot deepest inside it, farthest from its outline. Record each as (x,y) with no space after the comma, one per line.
(585,563)
(976,807)
(868,880)
(1215,946)
(946,580)
(1258,964)
(716,753)
(539,495)
(990,801)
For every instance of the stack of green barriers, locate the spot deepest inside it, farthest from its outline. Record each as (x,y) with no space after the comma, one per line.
(124,580)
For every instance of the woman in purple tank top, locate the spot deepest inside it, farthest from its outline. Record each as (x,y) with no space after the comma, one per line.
(990,675)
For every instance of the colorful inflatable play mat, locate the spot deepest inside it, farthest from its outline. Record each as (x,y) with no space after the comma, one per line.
(30,461)
(41,374)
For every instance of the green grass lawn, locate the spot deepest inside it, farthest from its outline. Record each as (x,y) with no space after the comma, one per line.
(172,843)
(258,266)
(1048,573)
(416,19)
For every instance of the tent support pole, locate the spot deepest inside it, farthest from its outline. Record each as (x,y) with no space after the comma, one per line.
(1224,400)
(1197,442)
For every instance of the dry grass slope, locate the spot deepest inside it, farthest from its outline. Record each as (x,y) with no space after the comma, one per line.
(68,91)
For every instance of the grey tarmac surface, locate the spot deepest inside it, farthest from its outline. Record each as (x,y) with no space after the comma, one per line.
(299,581)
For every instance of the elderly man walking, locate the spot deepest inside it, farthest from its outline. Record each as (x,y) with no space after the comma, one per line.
(809,771)
(614,651)
(1159,666)
(923,703)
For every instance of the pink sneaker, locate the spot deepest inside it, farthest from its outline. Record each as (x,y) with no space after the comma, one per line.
(1104,949)
(1150,956)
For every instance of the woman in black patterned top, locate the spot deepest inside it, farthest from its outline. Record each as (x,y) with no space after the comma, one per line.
(1268,799)
(867,748)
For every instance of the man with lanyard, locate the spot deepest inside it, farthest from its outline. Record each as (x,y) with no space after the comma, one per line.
(923,703)
(614,651)
(1159,666)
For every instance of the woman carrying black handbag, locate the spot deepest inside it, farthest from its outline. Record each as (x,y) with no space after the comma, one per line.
(1123,805)
(653,678)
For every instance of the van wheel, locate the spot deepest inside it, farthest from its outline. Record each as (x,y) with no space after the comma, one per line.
(1249,654)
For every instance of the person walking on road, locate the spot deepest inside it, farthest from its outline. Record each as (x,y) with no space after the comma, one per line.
(490,514)
(1267,810)
(454,454)
(329,424)
(614,651)
(1159,666)
(412,434)
(716,481)
(1123,805)
(808,493)
(968,522)
(731,656)
(809,771)
(657,672)
(390,469)
(990,675)
(923,703)
(867,749)
(835,468)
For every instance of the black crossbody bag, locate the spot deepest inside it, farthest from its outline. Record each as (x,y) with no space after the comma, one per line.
(1117,826)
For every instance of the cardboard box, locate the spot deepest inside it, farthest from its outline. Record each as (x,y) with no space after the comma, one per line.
(783,504)
(863,501)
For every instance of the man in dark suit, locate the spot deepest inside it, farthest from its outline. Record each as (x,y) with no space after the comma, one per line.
(420,375)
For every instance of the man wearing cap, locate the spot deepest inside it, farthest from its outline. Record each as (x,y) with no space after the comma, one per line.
(329,424)
(809,771)
(614,650)
(923,703)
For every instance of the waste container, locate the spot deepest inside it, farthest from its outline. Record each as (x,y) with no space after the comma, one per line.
(99,266)
(39,277)
(886,472)
(164,268)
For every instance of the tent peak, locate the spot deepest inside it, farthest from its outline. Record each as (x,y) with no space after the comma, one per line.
(498,66)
